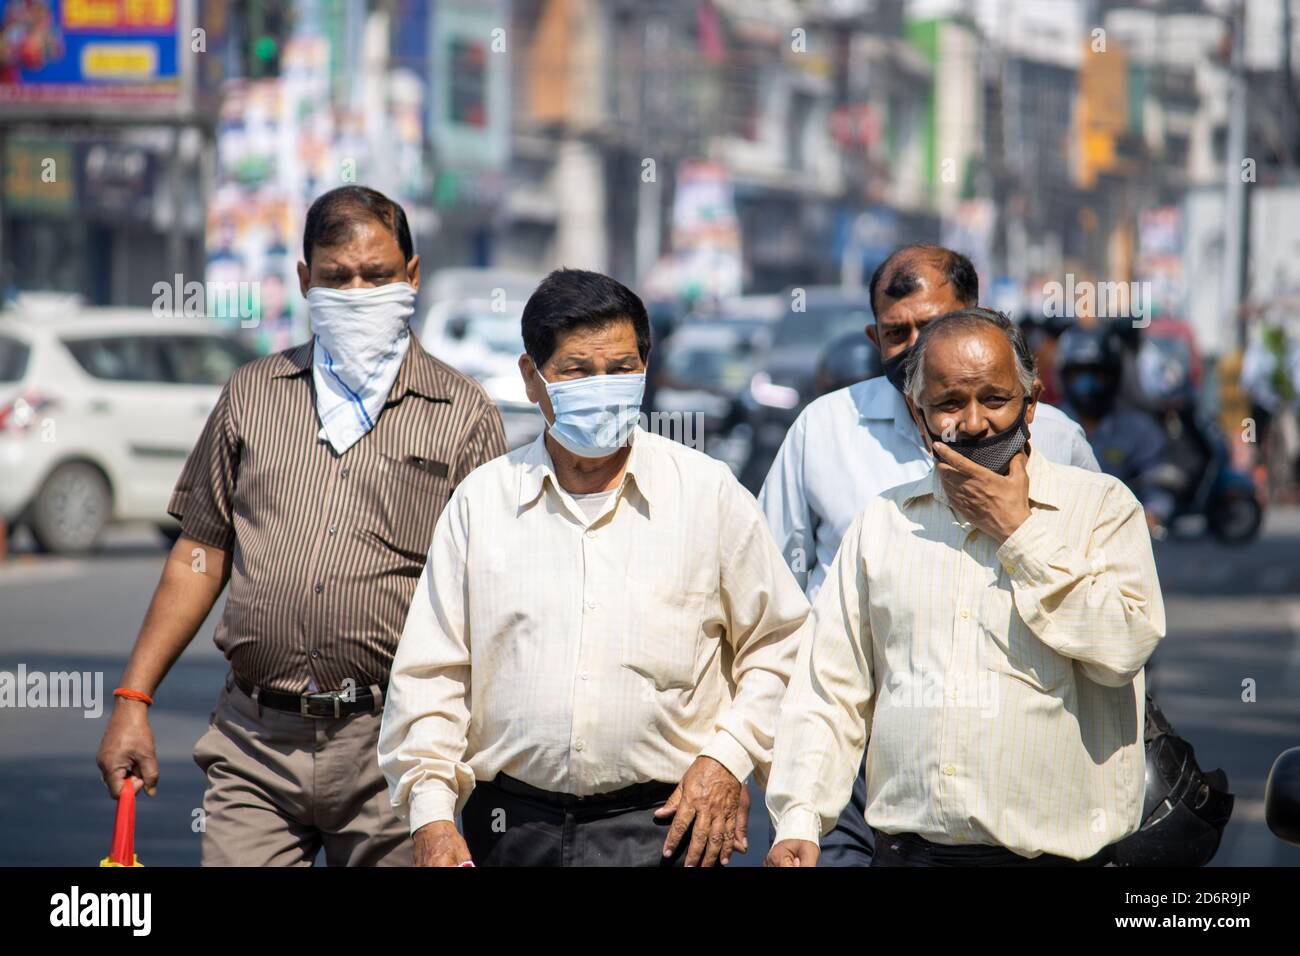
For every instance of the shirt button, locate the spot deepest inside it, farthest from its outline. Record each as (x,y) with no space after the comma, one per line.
(343,473)
(319,587)
(965,613)
(333,528)
(583,675)
(578,745)
(591,604)
(315,653)
(591,534)
(949,770)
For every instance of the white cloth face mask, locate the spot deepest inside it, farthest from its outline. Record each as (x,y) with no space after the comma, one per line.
(361,338)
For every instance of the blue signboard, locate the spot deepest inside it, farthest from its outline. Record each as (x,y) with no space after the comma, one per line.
(87,50)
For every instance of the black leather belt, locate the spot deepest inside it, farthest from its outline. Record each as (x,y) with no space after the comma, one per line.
(638,794)
(332,703)
(910,844)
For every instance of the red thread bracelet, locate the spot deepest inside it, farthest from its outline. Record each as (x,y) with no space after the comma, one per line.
(130,694)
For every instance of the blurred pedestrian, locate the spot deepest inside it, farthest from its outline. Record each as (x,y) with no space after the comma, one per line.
(603,633)
(313,490)
(985,626)
(1270,372)
(847,447)
(1129,442)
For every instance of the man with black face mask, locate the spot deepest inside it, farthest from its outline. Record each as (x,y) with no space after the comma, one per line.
(847,447)
(985,628)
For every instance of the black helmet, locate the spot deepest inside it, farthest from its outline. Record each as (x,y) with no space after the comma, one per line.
(847,359)
(1090,360)
(1282,796)
(1091,346)
(1185,809)
(1126,331)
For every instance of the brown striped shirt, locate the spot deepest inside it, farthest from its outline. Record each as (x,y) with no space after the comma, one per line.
(327,548)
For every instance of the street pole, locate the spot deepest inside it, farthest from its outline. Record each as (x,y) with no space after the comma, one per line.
(4,266)
(1234,234)
(1288,90)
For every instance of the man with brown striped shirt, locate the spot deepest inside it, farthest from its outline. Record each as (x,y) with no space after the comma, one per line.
(314,491)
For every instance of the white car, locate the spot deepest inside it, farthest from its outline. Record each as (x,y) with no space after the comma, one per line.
(473,325)
(98,410)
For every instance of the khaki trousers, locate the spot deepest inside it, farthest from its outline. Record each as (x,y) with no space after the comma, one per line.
(282,786)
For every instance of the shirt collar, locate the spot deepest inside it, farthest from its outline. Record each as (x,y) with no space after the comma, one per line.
(1043,486)
(878,400)
(418,373)
(291,362)
(538,467)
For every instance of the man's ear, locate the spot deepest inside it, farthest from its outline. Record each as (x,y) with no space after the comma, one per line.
(529,372)
(535,387)
(918,419)
(1034,394)
(304,279)
(872,334)
(413,273)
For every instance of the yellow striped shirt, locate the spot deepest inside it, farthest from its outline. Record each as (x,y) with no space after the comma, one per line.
(1001,687)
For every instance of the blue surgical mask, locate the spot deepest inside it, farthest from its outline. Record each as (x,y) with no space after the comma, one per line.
(595,416)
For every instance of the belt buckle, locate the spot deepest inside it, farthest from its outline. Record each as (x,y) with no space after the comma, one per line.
(304,706)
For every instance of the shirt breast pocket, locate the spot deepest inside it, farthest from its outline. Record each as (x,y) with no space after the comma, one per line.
(1011,648)
(661,639)
(412,493)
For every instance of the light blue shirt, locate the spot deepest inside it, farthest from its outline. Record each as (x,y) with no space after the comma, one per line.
(849,446)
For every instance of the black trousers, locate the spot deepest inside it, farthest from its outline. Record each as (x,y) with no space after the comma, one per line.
(508,823)
(852,841)
(908,849)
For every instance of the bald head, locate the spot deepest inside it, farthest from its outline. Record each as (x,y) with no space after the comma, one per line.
(970,372)
(915,284)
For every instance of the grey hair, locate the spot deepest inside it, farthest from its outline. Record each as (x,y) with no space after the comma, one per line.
(967,320)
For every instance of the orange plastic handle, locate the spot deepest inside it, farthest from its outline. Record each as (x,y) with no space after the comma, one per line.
(123,851)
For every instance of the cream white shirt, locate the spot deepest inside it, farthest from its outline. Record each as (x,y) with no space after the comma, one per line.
(585,655)
(1001,687)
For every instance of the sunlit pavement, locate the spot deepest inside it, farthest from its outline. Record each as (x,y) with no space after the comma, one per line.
(1234,616)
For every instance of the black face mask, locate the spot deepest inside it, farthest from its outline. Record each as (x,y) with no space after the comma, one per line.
(893,368)
(1090,393)
(996,451)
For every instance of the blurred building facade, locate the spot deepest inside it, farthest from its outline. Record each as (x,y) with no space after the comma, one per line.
(690,147)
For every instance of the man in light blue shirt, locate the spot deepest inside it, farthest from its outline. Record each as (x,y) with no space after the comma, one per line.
(847,447)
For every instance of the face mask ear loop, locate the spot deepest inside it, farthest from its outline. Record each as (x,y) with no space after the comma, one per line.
(538,372)
(925,432)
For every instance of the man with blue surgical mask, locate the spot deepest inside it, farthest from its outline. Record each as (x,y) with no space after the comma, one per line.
(599,644)
(313,492)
